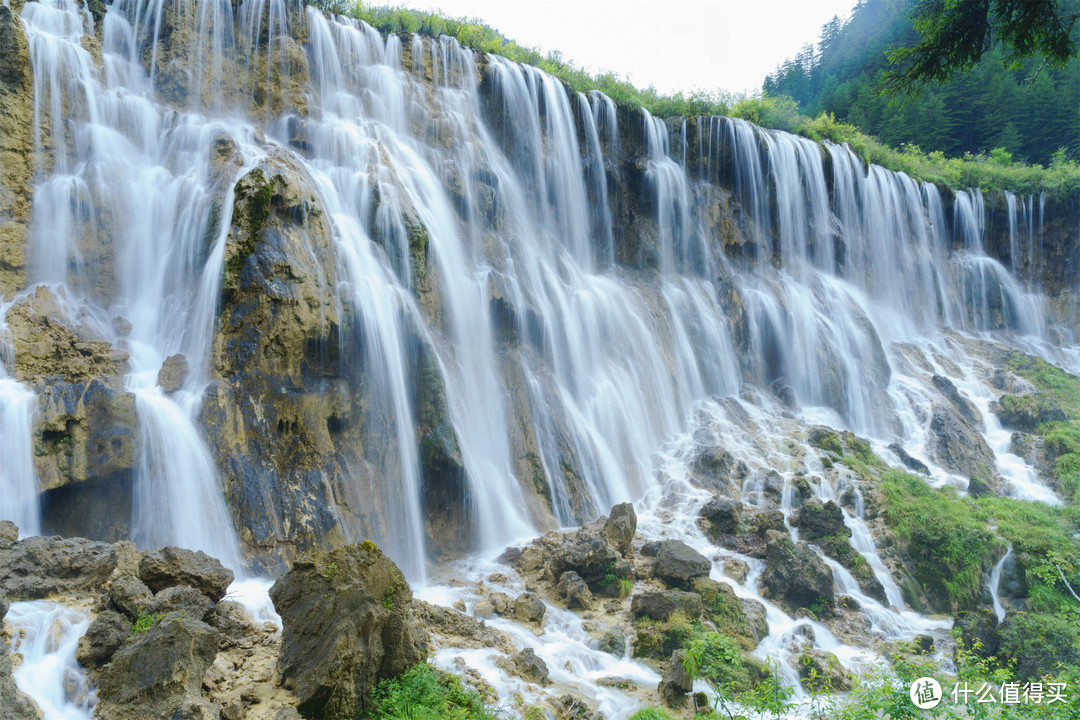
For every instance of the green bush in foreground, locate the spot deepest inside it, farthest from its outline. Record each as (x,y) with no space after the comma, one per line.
(425,693)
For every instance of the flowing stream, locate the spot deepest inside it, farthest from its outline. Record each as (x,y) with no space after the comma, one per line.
(850,288)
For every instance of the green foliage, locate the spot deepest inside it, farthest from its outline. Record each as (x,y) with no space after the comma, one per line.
(948,546)
(955,34)
(651,714)
(396,583)
(1023,110)
(425,693)
(145,621)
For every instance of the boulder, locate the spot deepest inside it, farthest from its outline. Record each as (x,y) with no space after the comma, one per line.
(958,447)
(816,520)
(676,682)
(620,527)
(712,466)
(458,628)
(526,665)
(661,605)
(233,622)
(795,575)
(173,373)
(347,624)
(130,596)
(977,630)
(821,672)
(9,534)
(722,516)
(183,600)
(171,566)
(679,565)
(586,552)
(41,566)
(529,608)
(103,638)
(157,674)
(574,590)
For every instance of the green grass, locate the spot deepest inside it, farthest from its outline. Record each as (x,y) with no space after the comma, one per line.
(146,621)
(992,172)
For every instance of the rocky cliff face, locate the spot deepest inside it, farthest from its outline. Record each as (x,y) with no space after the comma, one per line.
(304,442)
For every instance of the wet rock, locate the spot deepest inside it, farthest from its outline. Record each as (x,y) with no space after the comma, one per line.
(911,463)
(568,707)
(103,638)
(158,673)
(924,644)
(679,565)
(958,447)
(1027,412)
(661,605)
(524,560)
(612,641)
(977,488)
(978,632)
(483,609)
(130,596)
(585,552)
(839,548)
(736,569)
(233,622)
(529,608)
(795,575)
(712,466)
(41,566)
(460,629)
(526,665)
(722,515)
(620,527)
(183,600)
(172,374)
(676,682)
(574,590)
(964,407)
(170,566)
(347,624)
(816,520)
(821,672)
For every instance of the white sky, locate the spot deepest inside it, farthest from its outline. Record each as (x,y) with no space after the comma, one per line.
(672,44)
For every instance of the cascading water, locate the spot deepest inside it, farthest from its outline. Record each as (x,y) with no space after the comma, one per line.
(47,635)
(456,188)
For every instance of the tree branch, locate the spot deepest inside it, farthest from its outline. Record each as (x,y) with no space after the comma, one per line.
(1067,585)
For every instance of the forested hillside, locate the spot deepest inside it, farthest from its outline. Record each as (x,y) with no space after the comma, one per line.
(992,106)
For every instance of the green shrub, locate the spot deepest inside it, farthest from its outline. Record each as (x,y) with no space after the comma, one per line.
(425,693)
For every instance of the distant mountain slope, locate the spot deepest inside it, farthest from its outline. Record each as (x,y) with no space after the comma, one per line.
(989,107)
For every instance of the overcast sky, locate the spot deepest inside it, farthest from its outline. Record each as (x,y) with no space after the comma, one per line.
(672,44)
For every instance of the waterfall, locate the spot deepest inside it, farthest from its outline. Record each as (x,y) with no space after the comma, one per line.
(477,212)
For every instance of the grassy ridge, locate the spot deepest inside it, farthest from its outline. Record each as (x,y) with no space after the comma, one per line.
(993,172)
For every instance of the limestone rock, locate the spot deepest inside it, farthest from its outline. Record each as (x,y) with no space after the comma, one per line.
(587,553)
(41,566)
(183,600)
(458,628)
(958,447)
(661,605)
(963,406)
(172,374)
(233,622)
(171,566)
(574,590)
(1027,412)
(679,565)
(911,463)
(821,672)
(529,608)
(620,527)
(795,575)
(528,666)
(130,596)
(347,624)
(722,516)
(158,673)
(676,682)
(9,534)
(817,520)
(103,638)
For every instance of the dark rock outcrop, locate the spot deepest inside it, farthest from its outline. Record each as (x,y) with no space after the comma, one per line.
(958,447)
(795,575)
(678,564)
(528,666)
(722,516)
(157,674)
(103,638)
(41,566)
(676,682)
(661,605)
(574,590)
(347,625)
(172,566)
(817,520)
